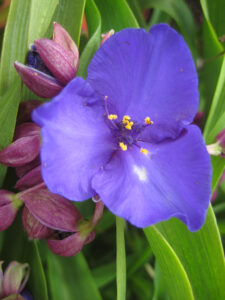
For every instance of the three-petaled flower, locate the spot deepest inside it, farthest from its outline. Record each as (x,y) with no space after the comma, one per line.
(125,132)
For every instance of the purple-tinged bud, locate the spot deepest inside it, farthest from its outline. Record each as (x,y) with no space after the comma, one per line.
(26,129)
(15,278)
(9,206)
(30,179)
(218,148)
(62,37)
(41,84)
(21,171)
(21,152)
(106,36)
(33,228)
(50,209)
(25,110)
(69,245)
(57,60)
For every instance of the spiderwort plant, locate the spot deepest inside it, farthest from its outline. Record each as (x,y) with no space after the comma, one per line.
(125,132)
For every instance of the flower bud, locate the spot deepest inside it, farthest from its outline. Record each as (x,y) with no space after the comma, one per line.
(25,110)
(62,37)
(26,129)
(51,210)
(57,59)
(22,151)
(106,36)
(15,278)
(70,245)
(33,228)
(9,206)
(221,140)
(41,84)
(30,179)
(218,148)
(22,170)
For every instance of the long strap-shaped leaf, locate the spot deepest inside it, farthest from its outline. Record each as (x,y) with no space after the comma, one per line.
(176,279)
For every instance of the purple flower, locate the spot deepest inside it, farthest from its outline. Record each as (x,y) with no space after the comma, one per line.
(125,133)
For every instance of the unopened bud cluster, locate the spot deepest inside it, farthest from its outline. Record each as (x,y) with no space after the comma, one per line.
(51,64)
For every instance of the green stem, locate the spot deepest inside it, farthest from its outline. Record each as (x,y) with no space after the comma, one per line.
(120,260)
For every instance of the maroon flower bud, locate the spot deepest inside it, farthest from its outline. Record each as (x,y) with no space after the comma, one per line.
(22,170)
(62,37)
(26,129)
(50,209)
(106,36)
(25,110)
(22,151)
(38,82)
(15,278)
(57,60)
(30,179)
(9,206)
(33,228)
(69,245)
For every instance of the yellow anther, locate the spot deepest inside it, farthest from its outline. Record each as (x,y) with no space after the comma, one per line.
(144,151)
(148,121)
(129,125)
(123,146)
(126,119)
(112,117)
(106,97)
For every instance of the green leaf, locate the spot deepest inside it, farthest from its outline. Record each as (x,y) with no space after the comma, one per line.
(200,254)
(217,109)
(69,14)
(41,13)
(116,14)
(212,64)
(94,28)
(8,110)
(14,42)
(70,278)
(16,246)
(180,12)
(175,277)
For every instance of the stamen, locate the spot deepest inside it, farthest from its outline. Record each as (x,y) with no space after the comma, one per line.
(144,151)
(148,121)
(126,119)
(129,125)
(123,146)
(112,117)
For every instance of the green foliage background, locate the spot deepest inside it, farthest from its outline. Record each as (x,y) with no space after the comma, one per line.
(165,261)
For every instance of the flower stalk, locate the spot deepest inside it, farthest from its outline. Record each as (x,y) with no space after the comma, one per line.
(120,260)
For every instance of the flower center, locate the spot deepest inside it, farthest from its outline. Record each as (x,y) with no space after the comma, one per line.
(126,131)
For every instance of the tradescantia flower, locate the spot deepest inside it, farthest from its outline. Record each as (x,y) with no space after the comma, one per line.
(125,132)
